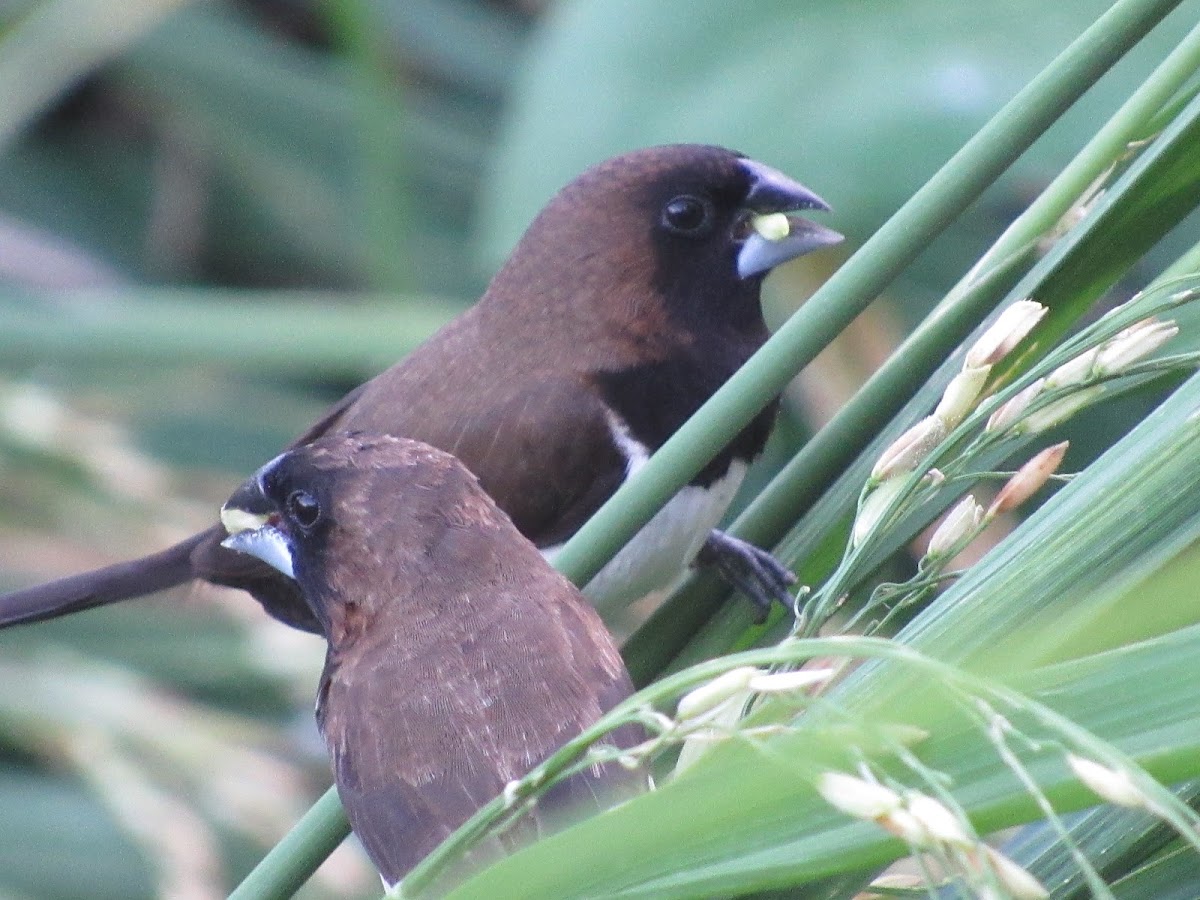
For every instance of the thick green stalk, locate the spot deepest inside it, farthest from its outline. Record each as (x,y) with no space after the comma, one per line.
(996,146)
(292,861)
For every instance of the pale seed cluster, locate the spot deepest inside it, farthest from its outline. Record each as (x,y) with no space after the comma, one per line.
(1076,382)
(969,517)
(711,712)
(927,824)
(962,395)
(1113,785)
(1112,357)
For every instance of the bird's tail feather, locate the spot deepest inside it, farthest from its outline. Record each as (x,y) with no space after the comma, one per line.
(100,587)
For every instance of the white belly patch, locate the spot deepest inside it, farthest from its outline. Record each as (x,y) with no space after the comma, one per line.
(657,556)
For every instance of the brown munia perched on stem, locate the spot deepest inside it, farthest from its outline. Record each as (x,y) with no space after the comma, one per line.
(632,297)
(458,659)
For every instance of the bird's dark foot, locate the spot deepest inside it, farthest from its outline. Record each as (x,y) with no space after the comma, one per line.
(749,569)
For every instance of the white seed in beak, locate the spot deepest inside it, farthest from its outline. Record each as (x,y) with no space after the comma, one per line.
(236,520)
(772,226)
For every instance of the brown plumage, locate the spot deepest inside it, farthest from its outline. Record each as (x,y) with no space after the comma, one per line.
(631,298)
(458,658)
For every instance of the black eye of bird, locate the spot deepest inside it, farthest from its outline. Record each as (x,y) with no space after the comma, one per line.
(303,509)
(687,214)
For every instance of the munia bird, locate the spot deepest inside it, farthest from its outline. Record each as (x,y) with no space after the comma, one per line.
(458,659)
(632,297)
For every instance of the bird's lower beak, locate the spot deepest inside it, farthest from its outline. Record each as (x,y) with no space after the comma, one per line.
(255,533)
(266,542)
(772,236)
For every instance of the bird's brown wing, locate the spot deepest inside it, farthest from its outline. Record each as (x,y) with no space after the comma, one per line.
(520,675)
(540,445)
(546,456)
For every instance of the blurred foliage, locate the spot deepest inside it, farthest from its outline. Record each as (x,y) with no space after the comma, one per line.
(216,217)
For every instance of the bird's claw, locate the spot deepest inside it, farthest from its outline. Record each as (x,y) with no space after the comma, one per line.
(749,569)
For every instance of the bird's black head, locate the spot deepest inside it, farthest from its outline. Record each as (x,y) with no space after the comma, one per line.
(697,226)
(317,511)
(282,514)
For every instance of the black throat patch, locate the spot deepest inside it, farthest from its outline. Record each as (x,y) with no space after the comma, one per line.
(655,399)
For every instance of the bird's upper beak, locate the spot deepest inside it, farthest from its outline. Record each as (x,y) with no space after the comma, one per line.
(772,236)
(253,526)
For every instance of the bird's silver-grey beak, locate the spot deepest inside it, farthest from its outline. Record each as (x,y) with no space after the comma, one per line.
(773,236)
(252,530)
(267,543)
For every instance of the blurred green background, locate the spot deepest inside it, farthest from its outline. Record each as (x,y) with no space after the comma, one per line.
(217,217)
